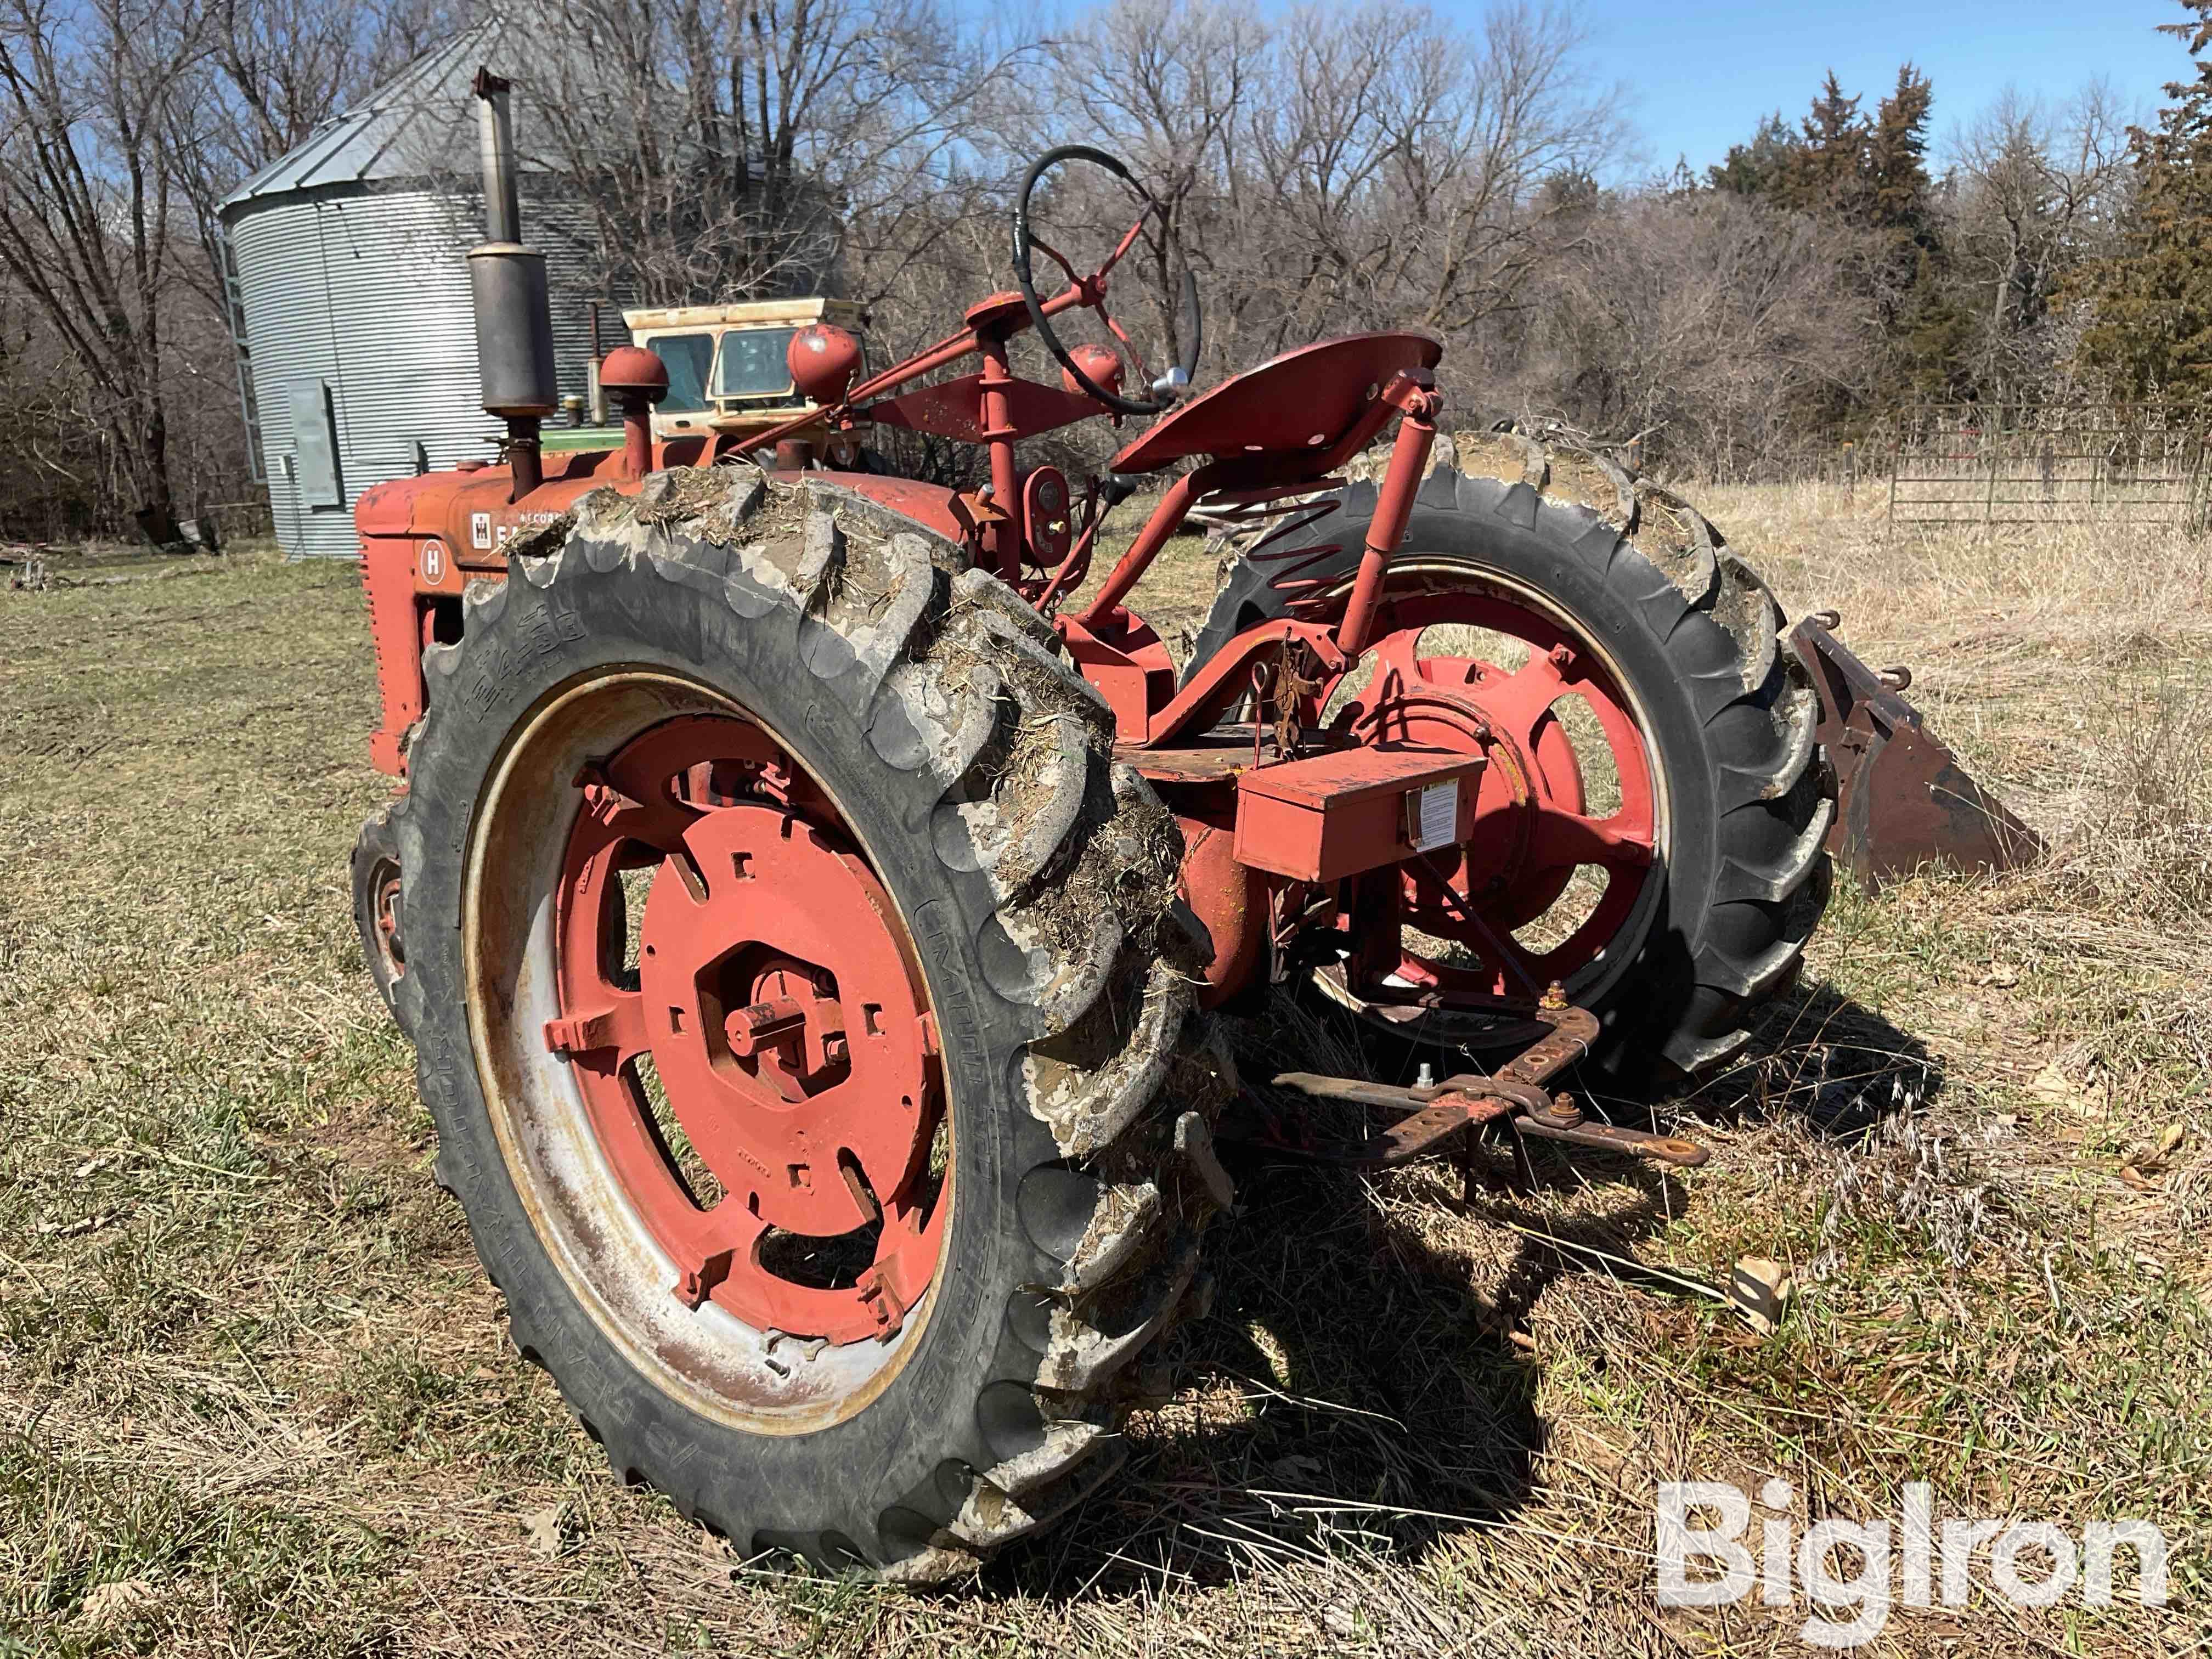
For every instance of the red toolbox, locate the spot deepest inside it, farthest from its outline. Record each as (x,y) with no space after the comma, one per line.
(1337,814)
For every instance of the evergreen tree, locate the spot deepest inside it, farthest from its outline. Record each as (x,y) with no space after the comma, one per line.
(1568,190)
(1871,174)
(2150,332)
(1756,168)
(1826,168)
(1929,336)
(1898,193)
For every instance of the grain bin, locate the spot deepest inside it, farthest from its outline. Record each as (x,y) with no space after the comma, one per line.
(348,262)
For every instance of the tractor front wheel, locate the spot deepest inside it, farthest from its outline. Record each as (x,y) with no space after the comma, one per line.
(377,913)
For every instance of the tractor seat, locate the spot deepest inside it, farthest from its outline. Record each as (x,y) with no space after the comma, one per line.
(1306,399)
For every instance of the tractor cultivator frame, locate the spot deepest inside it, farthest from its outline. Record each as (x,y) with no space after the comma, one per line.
(1511,1100)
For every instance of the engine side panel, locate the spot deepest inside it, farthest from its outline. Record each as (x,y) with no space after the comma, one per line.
(422,540)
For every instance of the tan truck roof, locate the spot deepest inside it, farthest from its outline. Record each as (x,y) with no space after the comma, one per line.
(760,312)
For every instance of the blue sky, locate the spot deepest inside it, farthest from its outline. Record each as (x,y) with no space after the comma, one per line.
(1701,73)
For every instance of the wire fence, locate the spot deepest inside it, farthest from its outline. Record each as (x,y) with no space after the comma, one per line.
(2032,464)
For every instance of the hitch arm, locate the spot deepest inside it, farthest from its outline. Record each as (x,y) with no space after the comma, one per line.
(1513,1097)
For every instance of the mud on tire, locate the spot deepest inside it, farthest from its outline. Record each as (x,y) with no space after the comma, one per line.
(1035,876)
(1697,637)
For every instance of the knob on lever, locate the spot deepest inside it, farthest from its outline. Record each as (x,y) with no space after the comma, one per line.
(1116,488)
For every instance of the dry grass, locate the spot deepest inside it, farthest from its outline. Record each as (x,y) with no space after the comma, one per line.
(246,1360)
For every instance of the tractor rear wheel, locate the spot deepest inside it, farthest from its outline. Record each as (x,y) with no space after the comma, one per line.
(800,995)
(1660,855)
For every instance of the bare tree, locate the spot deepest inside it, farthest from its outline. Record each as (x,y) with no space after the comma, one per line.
(1719,330)
(728,149)
(56,484)
(90,227)
(1486,125)
(2033,192)
(272,72)
(286,66)
(1335,169)
(1163,84)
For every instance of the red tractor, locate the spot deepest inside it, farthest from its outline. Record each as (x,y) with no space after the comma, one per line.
(814,926)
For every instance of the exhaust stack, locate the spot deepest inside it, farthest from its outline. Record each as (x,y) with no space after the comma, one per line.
(507,281)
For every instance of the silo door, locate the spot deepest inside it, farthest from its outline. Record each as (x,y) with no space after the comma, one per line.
(315,442)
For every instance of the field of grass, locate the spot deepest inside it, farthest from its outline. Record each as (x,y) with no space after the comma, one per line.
(255,1397)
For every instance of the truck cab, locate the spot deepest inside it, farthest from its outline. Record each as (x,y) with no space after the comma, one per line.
(727,370)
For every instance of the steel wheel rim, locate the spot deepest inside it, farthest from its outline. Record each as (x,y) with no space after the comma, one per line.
(1602,960)
(385,916)
(580,1182)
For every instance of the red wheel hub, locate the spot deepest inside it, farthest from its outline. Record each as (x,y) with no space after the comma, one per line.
(779,1001)
(1534,825)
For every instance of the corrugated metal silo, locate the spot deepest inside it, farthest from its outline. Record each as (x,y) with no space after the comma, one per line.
(351,286)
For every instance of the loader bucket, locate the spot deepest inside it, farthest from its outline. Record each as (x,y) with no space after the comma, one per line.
(1902,800)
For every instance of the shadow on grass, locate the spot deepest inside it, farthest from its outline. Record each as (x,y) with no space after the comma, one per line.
(1819,1054)
(1358,1388)
(1347,1390)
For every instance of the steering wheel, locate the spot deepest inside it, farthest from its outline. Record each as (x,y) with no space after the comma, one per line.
(1092,288)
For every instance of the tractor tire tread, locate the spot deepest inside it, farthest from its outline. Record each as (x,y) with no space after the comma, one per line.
(1719,627)
(1007,754)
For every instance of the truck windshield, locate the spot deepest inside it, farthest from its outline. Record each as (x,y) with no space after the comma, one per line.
(752,364)
(689,356)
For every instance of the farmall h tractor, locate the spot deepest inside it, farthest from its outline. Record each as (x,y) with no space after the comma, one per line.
(814,923)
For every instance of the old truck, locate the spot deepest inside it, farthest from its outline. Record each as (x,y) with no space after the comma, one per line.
(726,373)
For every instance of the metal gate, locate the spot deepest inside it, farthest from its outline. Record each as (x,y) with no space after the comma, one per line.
(2028,464)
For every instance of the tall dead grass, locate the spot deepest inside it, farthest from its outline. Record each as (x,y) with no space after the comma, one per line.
(2070,664)
(2148,839)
